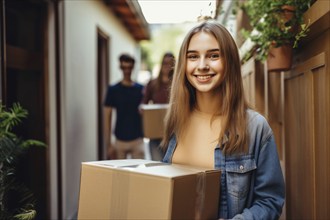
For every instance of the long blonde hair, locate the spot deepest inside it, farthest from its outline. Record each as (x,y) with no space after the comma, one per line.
(233,107)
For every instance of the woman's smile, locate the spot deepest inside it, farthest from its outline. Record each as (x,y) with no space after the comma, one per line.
(204,78)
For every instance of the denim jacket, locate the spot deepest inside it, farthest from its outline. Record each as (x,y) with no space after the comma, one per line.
(252,185)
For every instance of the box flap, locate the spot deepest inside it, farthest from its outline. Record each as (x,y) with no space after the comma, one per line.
(150,167)
(153,106)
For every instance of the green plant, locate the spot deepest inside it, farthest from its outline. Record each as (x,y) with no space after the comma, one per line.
(11,147)
(275,23)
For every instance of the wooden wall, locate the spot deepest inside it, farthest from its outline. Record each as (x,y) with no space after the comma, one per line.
(307,122)
(297,106)
(254,84)
(307,139)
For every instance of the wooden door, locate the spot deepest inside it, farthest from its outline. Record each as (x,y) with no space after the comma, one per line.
(25,82)
(102,85)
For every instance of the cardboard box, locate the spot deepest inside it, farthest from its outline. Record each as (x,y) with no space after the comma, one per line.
(153,120)
(143,189)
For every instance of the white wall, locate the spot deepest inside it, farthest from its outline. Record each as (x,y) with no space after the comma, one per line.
(79,101)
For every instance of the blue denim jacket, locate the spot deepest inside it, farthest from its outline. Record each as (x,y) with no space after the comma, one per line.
(252,185)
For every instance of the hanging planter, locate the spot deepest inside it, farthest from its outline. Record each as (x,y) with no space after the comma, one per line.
(277,28)
(279,58)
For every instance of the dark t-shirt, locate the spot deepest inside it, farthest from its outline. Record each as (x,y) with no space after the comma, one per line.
(126,100)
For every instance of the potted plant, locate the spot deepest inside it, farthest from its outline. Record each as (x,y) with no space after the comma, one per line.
(11,147)
(278,26)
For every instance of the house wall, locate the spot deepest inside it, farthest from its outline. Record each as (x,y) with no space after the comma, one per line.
(79,22)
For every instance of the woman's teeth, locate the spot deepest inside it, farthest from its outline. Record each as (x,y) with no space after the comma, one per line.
(203,77)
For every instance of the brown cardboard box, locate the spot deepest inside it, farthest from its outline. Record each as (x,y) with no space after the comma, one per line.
(153,120)
(143,189)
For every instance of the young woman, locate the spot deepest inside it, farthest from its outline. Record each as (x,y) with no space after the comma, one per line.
(157,92)
(209,124)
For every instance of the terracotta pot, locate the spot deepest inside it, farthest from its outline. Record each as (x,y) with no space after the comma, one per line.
(288,12)
(279,58)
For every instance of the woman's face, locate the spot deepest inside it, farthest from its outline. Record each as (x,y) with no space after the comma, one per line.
(205,67)
(167,65)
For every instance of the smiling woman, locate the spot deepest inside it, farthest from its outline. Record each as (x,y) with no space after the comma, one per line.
(176,11)
(209,124)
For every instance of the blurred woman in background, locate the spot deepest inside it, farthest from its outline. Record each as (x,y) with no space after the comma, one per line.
(157,92)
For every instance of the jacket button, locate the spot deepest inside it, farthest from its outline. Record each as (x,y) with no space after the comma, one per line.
(241,167)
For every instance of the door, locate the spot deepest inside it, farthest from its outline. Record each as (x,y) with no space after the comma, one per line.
(102,83)
(24,80)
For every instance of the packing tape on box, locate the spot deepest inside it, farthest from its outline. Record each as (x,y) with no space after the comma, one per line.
(119,198)
(200,192)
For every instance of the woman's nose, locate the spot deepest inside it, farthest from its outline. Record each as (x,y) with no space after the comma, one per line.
(203,65)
